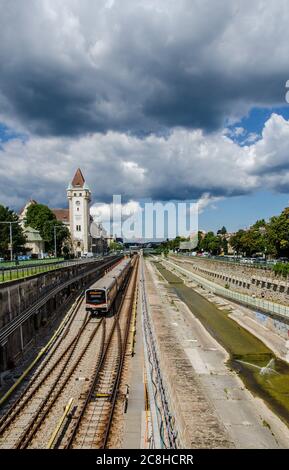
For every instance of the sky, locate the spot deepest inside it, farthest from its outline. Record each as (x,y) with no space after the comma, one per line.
(157,99)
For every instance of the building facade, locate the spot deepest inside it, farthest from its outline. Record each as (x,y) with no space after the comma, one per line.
(34,242)
(79,198)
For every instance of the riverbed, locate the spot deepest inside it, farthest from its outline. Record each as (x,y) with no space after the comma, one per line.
(248,355)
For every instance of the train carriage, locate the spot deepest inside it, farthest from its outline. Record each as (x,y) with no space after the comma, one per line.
(100,296)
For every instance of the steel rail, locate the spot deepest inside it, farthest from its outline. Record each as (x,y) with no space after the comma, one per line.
(35,424)
(19,403)
(99,369)
(123,346)
(52,343)
(20,319)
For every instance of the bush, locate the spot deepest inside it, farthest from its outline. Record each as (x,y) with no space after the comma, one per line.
(281,269)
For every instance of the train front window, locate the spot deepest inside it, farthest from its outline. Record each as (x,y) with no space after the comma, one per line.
(95,297)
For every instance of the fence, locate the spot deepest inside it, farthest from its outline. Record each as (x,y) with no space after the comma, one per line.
(18,272)
(253,302)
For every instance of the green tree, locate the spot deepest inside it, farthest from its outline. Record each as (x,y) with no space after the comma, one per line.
(8,215)
(62,235)
(224,244)
(237,241)
(211,243)
(252,241)
(41,218)
(37,216)
(115,246)
(278,234)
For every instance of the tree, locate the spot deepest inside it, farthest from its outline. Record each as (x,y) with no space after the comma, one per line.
(41,218)
(211,243)
(37,216)
(115,246)
(7,215)
(222,234)
(252,241)
(62,235)
(278,234)
(237,241)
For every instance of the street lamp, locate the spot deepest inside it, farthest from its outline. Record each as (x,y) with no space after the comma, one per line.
(55,246)
(11,237)
(263,232)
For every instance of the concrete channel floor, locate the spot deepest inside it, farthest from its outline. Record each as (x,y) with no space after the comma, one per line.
(134,421)
(242,414)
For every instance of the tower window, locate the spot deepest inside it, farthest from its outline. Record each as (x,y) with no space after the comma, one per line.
(75,194)
(78,228)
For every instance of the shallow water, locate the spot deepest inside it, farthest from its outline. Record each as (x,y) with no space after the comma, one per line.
(241,345)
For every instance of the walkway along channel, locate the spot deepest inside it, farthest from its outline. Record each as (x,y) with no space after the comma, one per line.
(262,372)
(271,308)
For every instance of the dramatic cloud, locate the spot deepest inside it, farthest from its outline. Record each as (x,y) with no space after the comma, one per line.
(71,67)
(185,165)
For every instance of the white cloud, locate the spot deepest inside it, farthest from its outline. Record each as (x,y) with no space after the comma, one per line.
(185,165)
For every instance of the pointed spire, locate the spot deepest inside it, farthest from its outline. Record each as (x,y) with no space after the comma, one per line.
(78,180)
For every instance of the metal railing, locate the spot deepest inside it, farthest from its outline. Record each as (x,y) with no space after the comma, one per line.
(256,303)
(263,265)
(12,273)
(168,436)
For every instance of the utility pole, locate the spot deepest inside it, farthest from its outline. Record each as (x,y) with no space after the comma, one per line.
(11,237)
(55,245)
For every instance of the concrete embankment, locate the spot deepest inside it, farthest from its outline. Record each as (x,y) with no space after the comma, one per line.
(236,416)
(196,420)
(240,278)
(27,305)
(248,355)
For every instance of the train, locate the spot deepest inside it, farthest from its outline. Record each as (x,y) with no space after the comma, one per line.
(100,297)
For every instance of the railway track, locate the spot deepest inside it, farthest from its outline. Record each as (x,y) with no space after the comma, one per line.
(51,349)
(88,371)
(94,422)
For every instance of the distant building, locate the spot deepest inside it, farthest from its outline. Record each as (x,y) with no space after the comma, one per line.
(34,242)
(230,249)
(98,238)
(62,215)
(187,246)
(79,197)
(23,212)
(86,235)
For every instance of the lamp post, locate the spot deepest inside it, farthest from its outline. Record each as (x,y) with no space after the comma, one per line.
(11,236)
(263,232)
(55,245)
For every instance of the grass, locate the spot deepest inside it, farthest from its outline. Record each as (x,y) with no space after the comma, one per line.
(23,271)
(11,264)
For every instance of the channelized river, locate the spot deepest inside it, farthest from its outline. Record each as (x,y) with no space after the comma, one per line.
(263,373)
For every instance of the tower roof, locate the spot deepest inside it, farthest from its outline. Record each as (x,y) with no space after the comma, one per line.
(78,180)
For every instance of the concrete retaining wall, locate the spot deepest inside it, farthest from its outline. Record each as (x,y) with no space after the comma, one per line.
(17,297)
(243,279)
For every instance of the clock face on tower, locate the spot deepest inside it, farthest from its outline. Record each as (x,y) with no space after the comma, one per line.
(77,203)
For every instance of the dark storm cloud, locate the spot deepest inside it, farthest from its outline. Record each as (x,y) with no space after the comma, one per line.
(70,68)
(137,93)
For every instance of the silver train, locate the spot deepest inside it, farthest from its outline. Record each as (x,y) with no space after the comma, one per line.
(100,296)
